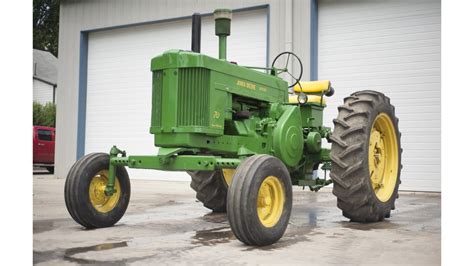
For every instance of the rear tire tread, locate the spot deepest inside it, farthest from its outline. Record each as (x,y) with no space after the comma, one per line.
(210,188)
(352,186)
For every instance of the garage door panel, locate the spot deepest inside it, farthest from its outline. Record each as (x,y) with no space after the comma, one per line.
(119,81)
(375,19)
(393,47)
(385,82)
(385,36)
(358,53)
(426,172)
(373,9)
(387,69)
(421,138)
(431,154)
(408,59)
(423,185)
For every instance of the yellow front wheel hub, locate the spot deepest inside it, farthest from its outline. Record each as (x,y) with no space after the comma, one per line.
(383,157)
(270,201)
(99,200)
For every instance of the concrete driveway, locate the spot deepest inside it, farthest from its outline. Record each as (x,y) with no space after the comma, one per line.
(164,224)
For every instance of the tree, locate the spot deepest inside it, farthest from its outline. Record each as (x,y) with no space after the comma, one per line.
(46,25)
(37,108)
(44,115)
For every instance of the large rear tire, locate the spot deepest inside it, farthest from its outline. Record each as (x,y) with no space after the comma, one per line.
(259,200)
(366,157)
(211,189)
(84,192)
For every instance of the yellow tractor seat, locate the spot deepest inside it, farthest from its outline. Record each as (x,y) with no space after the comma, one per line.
(311,99)
(319,86)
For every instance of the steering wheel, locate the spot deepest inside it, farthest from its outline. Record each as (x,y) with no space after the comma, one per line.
(280,67)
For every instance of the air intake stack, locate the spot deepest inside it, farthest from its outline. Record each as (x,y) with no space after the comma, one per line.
(196,33)
(223,18)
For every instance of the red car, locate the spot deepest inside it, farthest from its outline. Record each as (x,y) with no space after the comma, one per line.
(43,147)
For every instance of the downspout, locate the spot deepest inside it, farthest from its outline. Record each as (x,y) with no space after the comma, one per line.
(54,93)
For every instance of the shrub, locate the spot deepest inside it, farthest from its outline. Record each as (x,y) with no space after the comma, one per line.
(37,108)
(44,115)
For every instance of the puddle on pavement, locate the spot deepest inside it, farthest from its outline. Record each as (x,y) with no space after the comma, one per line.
(166,203)
(369,226)
(214,217)
(40,226)
(67,254)
(213,236)
(73,251)
(302,223)
(220,235)
(292,236)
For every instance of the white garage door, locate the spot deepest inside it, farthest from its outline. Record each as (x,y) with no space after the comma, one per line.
(119,77)
(393,47)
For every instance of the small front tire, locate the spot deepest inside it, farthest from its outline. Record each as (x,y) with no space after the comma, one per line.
(84,192)
(259,200)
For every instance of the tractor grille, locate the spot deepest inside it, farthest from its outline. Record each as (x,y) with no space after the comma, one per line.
(193,97)
(157,98)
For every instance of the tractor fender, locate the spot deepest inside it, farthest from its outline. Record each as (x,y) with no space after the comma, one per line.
(288,141)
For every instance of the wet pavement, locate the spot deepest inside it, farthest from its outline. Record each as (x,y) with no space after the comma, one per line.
(164,224)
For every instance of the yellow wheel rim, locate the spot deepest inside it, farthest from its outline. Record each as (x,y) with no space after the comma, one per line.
(101,202)
(383,157)
(228,174)
(270,201)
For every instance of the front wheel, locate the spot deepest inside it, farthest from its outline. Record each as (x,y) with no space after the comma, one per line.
(259,200)
(366,156)
(84,192)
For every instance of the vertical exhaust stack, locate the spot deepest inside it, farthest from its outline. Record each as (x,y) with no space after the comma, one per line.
(223,18)
(196,33)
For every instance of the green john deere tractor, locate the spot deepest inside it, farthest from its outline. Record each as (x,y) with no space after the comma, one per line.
(245,141)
